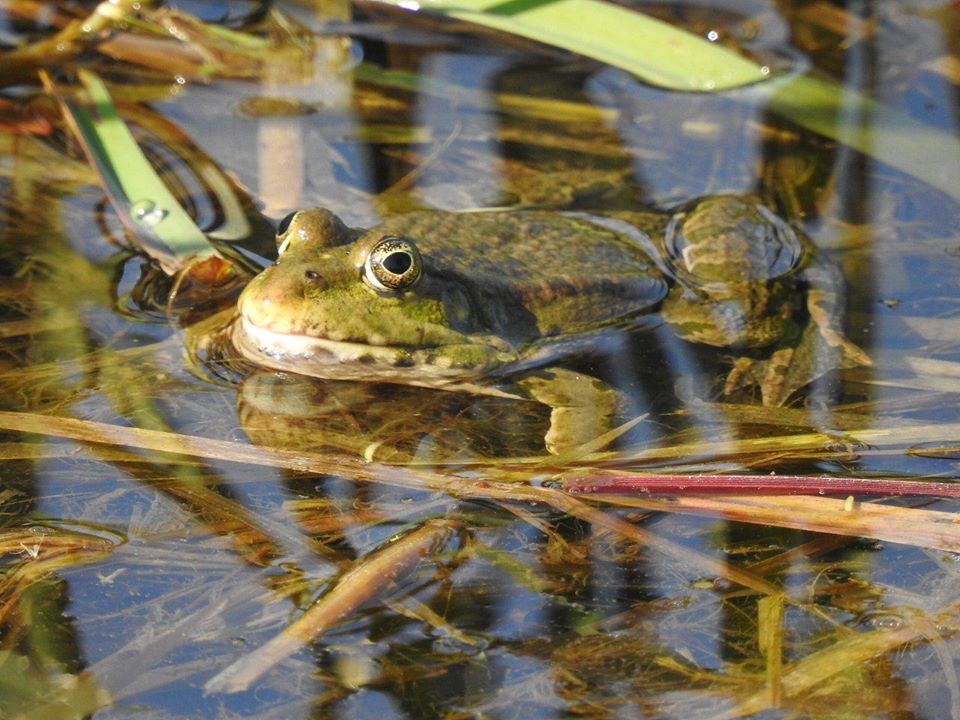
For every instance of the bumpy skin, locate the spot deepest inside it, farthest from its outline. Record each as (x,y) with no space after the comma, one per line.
(490,296)
(504,290)
(742,274)
(737,267)
(495,288)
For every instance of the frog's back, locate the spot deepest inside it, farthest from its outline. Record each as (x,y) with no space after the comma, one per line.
(571,273)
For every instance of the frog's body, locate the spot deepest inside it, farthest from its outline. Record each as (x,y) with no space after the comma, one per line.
(472,300)
(495,289)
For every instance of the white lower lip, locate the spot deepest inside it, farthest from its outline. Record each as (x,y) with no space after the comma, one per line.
(336,360)
(294,347)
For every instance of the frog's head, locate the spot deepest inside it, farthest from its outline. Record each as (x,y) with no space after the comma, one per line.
(353,304)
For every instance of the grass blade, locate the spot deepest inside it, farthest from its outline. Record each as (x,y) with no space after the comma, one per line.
(876,130)
(360,471)
(803,677)
(143,201)
(906,526)
(670,57)
(653,50)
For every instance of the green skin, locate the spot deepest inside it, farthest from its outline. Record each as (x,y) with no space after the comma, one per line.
(737,267)
(495,289)
(495,295)
(499,288)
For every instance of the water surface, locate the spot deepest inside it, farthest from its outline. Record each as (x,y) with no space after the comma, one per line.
(140,565)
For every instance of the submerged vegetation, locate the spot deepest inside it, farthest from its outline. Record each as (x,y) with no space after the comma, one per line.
(186,535)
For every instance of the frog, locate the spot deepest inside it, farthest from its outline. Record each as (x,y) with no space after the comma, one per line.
(490,302)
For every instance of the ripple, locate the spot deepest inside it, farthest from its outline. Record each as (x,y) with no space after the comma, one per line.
(727,239)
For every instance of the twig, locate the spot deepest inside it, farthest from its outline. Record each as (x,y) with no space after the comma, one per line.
(357,470)
(673,484)
(371,577)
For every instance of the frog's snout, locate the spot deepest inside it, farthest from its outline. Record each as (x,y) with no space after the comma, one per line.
(271,289)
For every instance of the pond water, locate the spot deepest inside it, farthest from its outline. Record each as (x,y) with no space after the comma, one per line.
(186,534)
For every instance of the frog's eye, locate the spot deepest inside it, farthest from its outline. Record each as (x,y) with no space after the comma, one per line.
(393,264)
(282,228)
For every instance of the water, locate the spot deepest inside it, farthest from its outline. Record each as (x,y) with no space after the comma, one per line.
(167,510)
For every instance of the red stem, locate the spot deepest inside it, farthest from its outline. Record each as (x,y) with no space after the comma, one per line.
(641,484)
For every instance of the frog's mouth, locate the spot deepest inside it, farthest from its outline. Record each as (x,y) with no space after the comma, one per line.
(338,360)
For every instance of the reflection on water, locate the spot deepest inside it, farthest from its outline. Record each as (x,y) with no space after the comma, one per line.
(167,514)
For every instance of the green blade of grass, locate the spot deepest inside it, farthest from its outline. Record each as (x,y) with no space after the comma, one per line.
(673,58)
(874,129)
(653,50)
(145,204)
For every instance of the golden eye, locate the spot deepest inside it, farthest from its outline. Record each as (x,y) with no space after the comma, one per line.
(393,264)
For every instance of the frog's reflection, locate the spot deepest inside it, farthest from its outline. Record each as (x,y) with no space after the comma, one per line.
(386,422)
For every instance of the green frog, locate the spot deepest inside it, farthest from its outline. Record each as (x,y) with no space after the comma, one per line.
(487,302)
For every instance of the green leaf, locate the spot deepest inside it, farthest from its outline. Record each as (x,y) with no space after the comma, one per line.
(651,49)
(669,57)
(837,112)
(144,202)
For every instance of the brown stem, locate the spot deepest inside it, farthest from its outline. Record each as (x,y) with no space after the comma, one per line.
(657,484)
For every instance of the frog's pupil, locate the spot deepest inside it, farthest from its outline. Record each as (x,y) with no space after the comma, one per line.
(398,263)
